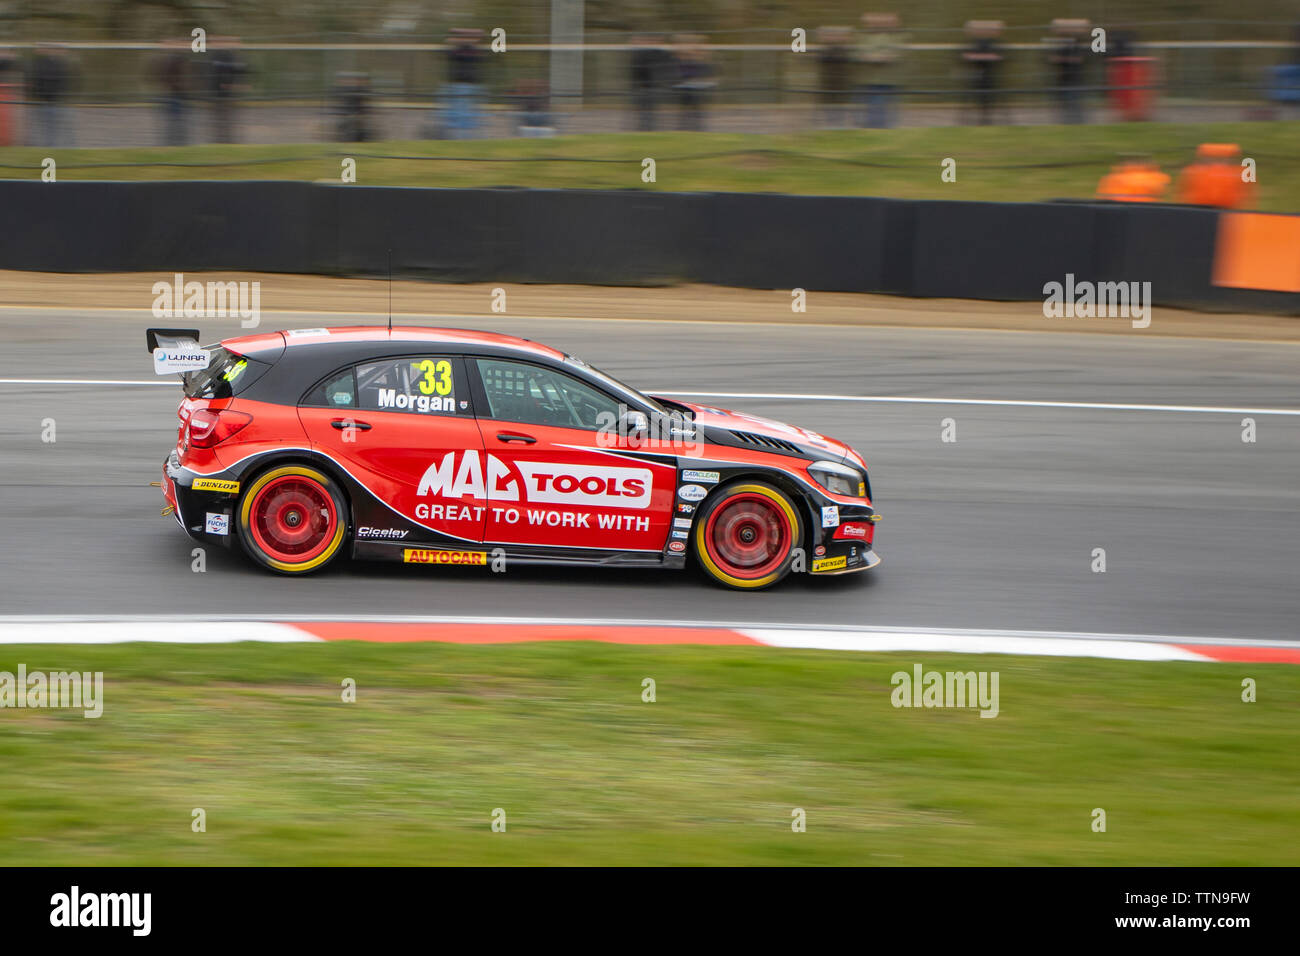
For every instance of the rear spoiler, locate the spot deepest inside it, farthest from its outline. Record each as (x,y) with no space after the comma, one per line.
(176,350)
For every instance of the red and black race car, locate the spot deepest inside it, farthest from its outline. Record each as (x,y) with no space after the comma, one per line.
(442,446)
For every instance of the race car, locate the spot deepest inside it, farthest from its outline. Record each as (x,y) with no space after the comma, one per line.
(445,446)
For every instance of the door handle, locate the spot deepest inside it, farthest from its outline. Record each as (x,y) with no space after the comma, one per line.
(515,436)
(342,423)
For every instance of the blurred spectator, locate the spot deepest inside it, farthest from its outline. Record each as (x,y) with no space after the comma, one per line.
(694,80)
(1131,79)
(10,97)
(532,96)
(172,72)
(226,80)
(1066,57)
(352,99)
(982,58)
(1285,85)
(880,52)
(650,68)
(835,75)
(1214,178)
(464,64)
(1137,179)
(48,82)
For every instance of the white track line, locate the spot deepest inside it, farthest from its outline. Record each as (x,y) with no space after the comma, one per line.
(174,623)
(803,397)
(152,632)
(915,400)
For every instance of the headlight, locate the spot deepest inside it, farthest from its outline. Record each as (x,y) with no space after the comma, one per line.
(839,479)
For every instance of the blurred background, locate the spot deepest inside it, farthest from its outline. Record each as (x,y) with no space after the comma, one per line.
(125,73)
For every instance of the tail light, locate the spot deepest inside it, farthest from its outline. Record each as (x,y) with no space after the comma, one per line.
(208,427)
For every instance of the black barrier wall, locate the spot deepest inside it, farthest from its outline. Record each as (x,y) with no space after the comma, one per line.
(1005,251)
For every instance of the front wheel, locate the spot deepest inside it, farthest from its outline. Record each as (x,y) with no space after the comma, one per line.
(747,534)
(293,519)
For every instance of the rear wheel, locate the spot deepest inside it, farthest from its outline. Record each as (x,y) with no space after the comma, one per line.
(747,534)
(293,519)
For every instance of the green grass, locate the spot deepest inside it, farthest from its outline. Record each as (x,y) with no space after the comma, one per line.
(557,735)
(993,163)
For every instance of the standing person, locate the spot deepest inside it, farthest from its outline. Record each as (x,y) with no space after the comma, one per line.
(352,99)
(464,63)
(47,86)
(835,66)
(227,77)
(646,76)
(694,80)
(172,72)
(983,57)
(1066,59)
(880,53)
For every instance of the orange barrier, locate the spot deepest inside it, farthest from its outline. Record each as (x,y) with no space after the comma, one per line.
(1255,250)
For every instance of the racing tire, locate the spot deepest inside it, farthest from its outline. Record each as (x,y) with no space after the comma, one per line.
(293,519)
(747,534)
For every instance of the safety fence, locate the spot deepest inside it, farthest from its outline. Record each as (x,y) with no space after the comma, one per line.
(978,250)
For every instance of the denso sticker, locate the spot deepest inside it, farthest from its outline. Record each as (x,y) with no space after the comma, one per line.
(217,524)
(421,556)
(830,564)
(707,477)
(681,522)
(692,493)
(537,481)
(215,484)
(830,516)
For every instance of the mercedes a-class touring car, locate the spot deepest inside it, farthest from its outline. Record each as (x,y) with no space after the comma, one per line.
(442,446)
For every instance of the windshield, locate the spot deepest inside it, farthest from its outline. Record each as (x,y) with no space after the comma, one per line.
(612,383)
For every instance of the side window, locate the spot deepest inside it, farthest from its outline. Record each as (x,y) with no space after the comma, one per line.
(535,395)
(339,391)
(420,385)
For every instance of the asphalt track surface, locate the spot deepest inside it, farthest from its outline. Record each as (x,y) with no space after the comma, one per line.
(995,530)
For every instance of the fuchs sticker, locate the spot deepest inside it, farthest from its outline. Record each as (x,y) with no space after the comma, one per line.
(421,556)
(830,564)
(216,484)
(537,482)
(851,529)
(830,516)
(692,493)
(676,546)
(680,534)
(217,524)
(707,477)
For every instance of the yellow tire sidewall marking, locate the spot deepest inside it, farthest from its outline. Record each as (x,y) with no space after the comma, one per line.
(702,550)
(246,508)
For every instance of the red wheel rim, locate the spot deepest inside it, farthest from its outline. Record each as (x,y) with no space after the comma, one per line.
(293,519)
(748,535)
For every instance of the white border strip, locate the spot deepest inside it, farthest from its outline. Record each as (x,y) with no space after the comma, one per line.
(802,397)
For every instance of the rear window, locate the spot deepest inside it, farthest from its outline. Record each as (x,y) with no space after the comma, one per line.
(227,374)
